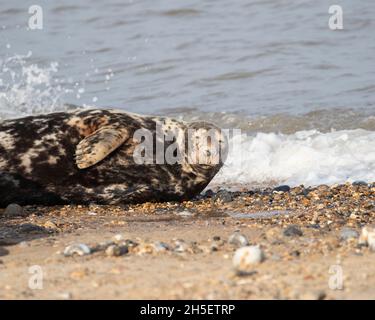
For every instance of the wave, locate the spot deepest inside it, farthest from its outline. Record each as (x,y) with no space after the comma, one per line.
(321,120)
(306,157)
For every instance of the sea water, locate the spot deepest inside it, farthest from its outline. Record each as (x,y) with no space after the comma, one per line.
(302,94)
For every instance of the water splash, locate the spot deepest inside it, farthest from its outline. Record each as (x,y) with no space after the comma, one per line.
(26,88)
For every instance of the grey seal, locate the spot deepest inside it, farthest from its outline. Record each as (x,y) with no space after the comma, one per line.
(87,156)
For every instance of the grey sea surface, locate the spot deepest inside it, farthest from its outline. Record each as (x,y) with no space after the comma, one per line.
(275,58)
(303,93)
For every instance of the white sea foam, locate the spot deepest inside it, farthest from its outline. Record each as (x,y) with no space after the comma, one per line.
(305,157)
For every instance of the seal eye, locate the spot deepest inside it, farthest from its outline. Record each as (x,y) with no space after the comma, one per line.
(208,153)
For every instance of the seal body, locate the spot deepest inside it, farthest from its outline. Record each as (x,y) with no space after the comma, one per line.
(87,156)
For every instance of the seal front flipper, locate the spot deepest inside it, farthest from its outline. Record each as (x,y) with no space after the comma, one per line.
(96,146)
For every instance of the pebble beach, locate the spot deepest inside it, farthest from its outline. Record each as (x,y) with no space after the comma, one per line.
(273,243)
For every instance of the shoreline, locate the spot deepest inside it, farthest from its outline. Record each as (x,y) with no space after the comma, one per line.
(183,251)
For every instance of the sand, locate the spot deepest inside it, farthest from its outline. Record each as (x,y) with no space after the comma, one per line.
(181,250)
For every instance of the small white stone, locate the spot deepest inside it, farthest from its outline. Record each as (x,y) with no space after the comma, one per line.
(245,257)
(77,249)
(239,240)
(64,295)
(368,236)
(118,237)
(160,246)
(180,246)
(23,244)
(185,213)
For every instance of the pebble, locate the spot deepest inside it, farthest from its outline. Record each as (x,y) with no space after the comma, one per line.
(185,213)
(31,228)
(295,253)
(3,251)
(275,257)
(116,251)
(77,249)
(50,225)
(283,188)
(313,295)
(129,243)
(181,246)
(368,237)
(223,196)
(292,231)
(160,246)
(13,210)
(209,193)
(65,295)
(244,258)
(359,183)
(239,240)
(348,233)
(214,247)
(145,248)
(102,246)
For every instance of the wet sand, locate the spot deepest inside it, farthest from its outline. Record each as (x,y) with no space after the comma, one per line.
(309,237)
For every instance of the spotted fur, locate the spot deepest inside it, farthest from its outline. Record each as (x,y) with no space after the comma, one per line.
(86,156)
